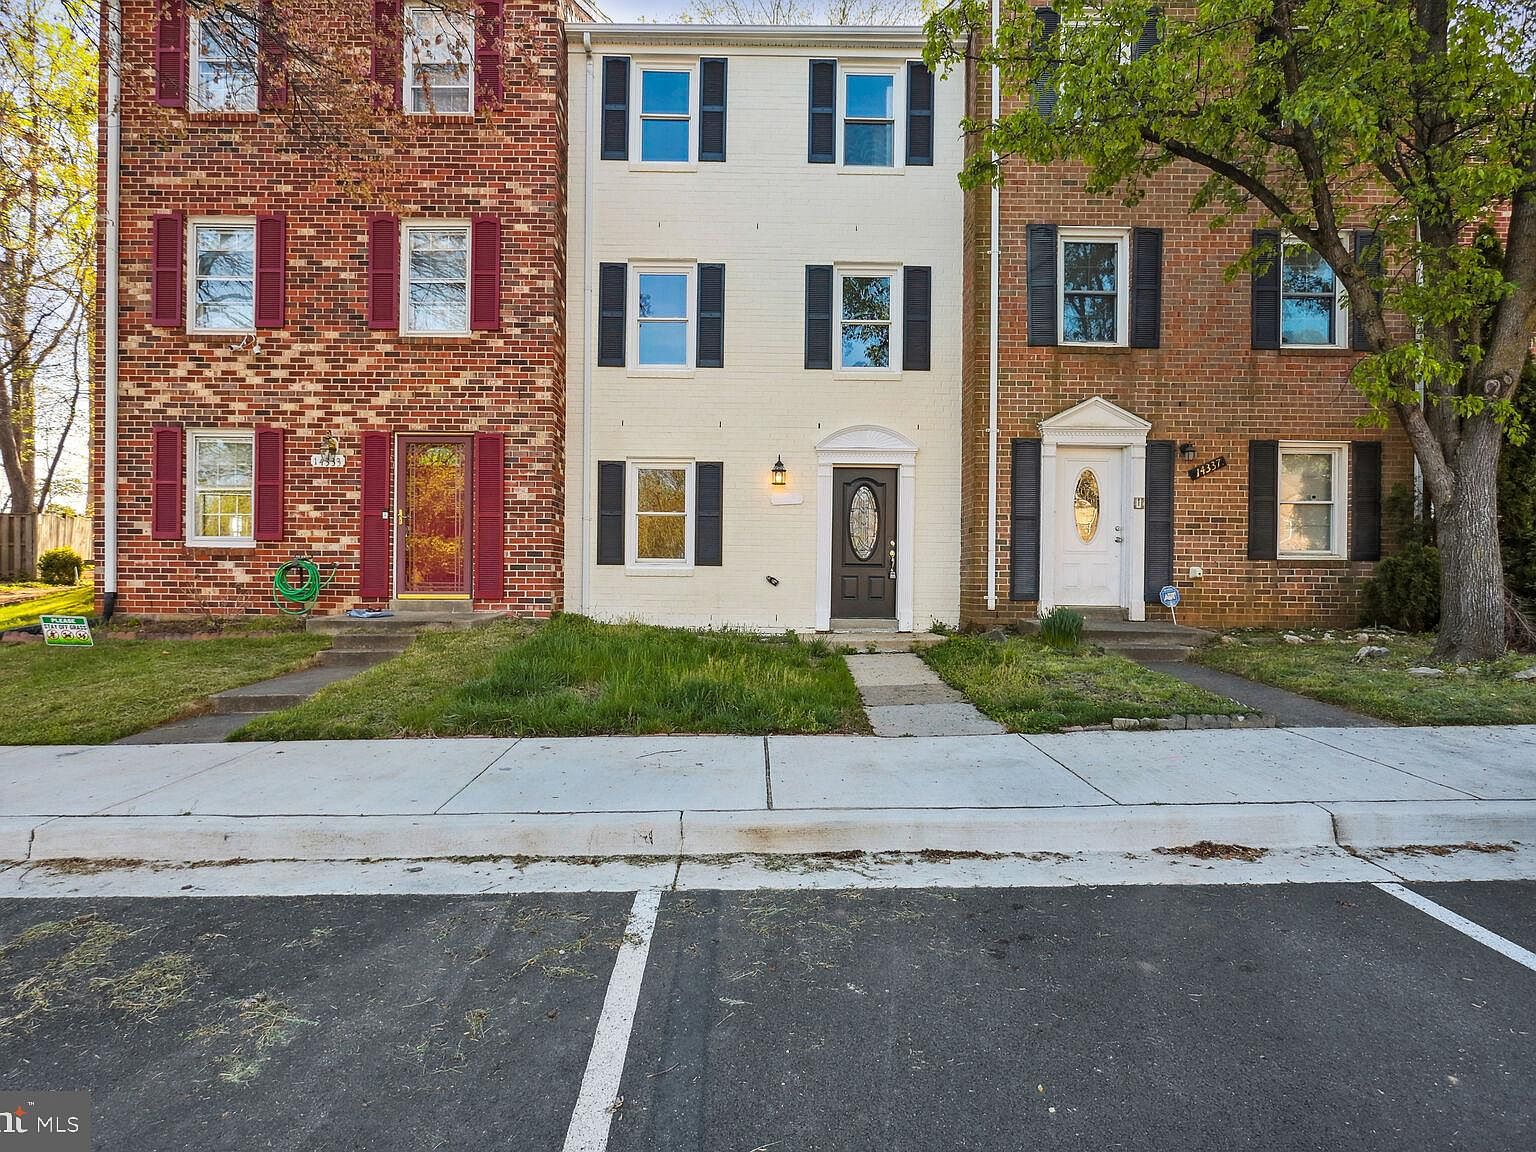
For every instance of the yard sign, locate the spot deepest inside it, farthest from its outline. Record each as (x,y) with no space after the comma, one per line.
(67,631)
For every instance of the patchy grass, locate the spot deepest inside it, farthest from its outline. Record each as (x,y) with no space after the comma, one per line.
(1327,670)
(574,677)
(1029,687)
(97,695)
(72,600)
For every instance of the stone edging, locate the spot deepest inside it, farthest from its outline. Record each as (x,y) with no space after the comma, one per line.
(1188,722)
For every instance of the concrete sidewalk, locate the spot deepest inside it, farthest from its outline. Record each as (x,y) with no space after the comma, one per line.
(694,796)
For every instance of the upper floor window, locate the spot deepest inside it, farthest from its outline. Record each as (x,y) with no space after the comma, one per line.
(1312,501)
(666,115)
(224,62)
(869,119)
(662,318)
(1312,302)
(223,276)
(221,488)
(865,324)
(439,60)
(1093,286)
(436,280)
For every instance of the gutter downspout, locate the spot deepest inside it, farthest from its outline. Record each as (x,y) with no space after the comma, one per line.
(588,348)
(114,11)
(992,286)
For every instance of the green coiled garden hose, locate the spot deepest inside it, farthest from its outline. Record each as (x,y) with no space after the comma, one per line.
(298,582)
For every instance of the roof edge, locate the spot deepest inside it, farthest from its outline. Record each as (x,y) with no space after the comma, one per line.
(748,35)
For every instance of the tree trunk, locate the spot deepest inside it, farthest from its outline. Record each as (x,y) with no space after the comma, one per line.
(1471,570)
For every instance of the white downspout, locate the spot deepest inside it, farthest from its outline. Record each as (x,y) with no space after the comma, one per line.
(109,306)
(588,347)
(992,275)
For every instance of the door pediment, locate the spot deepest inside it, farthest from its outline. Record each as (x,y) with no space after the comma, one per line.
(1095,421)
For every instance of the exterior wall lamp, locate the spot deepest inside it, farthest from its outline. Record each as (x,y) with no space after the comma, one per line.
(1186,451)
(780,473)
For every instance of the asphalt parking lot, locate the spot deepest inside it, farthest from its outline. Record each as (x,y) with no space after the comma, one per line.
(1146,1017)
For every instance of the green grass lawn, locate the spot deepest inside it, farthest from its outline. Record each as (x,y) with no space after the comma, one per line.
(1029,687)
(1326,670)
(66,601)
(97,695)
(575,677)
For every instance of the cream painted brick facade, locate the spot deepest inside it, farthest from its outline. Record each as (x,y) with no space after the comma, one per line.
(765,213)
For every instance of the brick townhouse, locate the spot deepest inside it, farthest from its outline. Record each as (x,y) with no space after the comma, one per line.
(368,372)
(1157,422)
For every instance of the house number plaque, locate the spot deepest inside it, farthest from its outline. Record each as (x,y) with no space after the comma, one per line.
(1208,467)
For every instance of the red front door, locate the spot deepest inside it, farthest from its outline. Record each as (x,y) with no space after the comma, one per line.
(433,516)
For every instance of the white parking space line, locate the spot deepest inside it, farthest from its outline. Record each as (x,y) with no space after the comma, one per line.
(1466,927)
(599,1096)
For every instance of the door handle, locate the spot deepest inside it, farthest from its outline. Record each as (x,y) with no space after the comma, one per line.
(893,559)
(1119,539)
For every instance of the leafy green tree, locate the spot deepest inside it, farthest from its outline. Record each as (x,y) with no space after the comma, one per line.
(1414,116)
(1517,498)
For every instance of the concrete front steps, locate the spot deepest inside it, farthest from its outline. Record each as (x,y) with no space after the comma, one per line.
(1145,641)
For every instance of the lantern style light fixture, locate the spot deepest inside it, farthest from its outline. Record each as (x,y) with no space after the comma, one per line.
(780,473)
(1186,451)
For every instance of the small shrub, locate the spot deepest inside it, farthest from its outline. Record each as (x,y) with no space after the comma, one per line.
(1062,629)
(1405,591)
(60,566)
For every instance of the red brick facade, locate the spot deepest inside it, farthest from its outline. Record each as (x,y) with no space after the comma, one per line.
(325,373)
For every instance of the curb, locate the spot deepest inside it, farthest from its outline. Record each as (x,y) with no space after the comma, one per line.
(1410,823)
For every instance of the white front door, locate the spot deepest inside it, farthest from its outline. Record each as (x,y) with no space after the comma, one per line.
(1090,532)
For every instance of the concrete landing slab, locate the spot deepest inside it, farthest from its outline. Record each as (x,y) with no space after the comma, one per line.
(621,773)
(1490,763)
(965,772)
(1253,766)
(954,719)
(53,781)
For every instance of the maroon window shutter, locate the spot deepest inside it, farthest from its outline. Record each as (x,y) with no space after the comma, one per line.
(485,274)
(171,54)
(383,271)
(167,234)
(269,484)
(490,516)
(388,61)
(271,270)
(271,59)
(373,539)
(489,28)
(165,478)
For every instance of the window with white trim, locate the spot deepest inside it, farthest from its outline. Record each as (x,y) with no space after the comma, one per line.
(1313,304)
(661,528)
(868,329)
(1095,302)
(662,334)
(1312,501)
(223,274)
(221,487)
(435,283)
(664,126)
(868,102)
(224,61)
(439,61)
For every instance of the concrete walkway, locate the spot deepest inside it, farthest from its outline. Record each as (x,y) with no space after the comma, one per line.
(704,795)
(1288,709)
(904,697)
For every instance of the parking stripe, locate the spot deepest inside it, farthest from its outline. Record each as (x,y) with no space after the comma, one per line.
(599,1098)
(1466,927)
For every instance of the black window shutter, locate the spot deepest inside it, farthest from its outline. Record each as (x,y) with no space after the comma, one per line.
(1365,500)
(919,113)
(1146,287)
(612,286)
(615,107)
(708,488)
(916,318)
(1263,499)
(1024,522)
(1149,35)
(1045,87)
(610,511)
(712,110)
(818,316)
(1159,530)
(1368,256)
(823,124)
(711,350)
(1266,289)
(1042,284)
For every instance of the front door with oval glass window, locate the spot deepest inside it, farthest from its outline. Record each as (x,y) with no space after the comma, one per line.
(864,543)
(1090,530)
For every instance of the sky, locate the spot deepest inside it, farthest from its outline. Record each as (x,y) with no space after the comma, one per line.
(624,11)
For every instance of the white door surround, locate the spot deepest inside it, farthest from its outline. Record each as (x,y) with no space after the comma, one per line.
(1096,423)
(867,445)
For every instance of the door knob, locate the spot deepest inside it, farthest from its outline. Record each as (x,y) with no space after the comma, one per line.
(893,559)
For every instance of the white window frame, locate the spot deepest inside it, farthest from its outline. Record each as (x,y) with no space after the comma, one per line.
(410,60)
(840,272)
(690,325)
(632,559)
(897,71)
(1340,303)
(1121,237)
(194,72)
(406,228)
(1339,522)
(193,522)
(193,224)
(640,66)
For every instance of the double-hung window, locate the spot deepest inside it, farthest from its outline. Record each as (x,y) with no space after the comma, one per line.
(221,488)
(1312,501)
(439,60)
(869,119)
(665,123)
(1094,296)
(663,327)
(224,62)
(223,276)
(867,330)
(436,280)
(1313,305)
(663,501)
